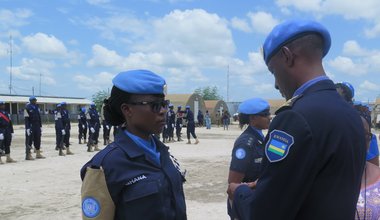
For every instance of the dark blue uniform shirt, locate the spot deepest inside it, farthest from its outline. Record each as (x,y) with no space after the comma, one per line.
(139,187)
(93,120)
(315,155)
(65,118)
(247,154)
(32,116)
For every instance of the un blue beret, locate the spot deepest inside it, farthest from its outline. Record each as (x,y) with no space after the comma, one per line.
(2,102)
(253,106)
(83,109)
(188,106)
(290,30)
(63,103)
(140,82)
(351,87)
(32,98)
(179,106)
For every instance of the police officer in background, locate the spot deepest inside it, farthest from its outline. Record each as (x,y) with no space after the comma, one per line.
(67,126)
(314,154)
(106,126)
(94,127)
(6,134)
(190,127)
(82,126)
(248,150)
(142,179)
(33,129)
(179,123)
(60,131)
(170,118)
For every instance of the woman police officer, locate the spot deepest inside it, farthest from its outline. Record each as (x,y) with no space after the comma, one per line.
(143,180)
(248,148)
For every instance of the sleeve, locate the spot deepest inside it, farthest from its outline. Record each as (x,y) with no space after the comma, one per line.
(373,150)
(27,118)
(10,123)
(241,156)
(290,156)
(58,120)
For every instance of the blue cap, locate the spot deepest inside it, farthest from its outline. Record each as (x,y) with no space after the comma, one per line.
(188,106)
(140,82)
(32,98)
(351,87)
(83,109)
(288,31)
(253,106)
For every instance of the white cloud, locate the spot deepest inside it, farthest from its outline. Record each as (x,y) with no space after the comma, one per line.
(240,24)
(42,44)
(4,50)
(16,18)
(374,31)
(94,83)
(352,48)
(104,57)
(367,85)
(348,66)
(310,5)
(262,22)
(97,2)
(30,69)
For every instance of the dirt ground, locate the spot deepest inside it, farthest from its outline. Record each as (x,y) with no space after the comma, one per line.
(50,188)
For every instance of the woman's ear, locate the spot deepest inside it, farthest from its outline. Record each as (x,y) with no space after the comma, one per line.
(126,110)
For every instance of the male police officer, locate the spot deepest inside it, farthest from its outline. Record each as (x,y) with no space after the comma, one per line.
(33,128)
(82,125)
(170,121)
(67,126)
(314,154)
(94,126)
(6,133)
(178,123)
(60,131)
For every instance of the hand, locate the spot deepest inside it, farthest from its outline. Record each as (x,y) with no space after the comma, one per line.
(92,130)
(63,132)
(41,129)
(28,131)
(233,186)
(166,126)
(172,125)
(108,127)
(83,126)
(1,136)
(180,125)
(13,135)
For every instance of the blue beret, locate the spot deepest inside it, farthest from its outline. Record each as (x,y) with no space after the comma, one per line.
(179,106)
(83,109)
(188,106)
(140,82)
(32,98)
(288,31)
(2,102)
(171,105)
(253,106)
(63,103)
(349,85)
(59,105)
(92,104)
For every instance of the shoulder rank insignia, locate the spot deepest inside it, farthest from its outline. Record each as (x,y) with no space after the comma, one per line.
(288,104)
(278,145)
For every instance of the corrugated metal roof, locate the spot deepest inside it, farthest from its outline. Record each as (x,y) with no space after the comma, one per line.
(44,99)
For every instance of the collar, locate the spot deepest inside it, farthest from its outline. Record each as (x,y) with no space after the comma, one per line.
(309,83)
(259,131)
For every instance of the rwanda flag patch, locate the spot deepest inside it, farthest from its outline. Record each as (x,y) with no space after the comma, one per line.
(278,145)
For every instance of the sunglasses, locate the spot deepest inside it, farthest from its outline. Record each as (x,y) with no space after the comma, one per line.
(155,106)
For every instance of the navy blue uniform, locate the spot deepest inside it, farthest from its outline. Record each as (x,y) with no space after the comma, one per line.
(314,161)
(247,154)
(82,126)
(32,122)
(93,122)
(106,132)
(139,187)
(178,124)
(170,121)
(58,129)
(190,127)
(6,128)
(67,126)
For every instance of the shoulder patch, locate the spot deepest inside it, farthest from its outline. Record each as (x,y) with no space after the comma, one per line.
(240,153)
(278,145)
(90,207)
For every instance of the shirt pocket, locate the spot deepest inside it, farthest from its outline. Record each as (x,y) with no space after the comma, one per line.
(140,190)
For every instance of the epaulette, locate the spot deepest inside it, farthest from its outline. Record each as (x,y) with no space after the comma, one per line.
(288,104)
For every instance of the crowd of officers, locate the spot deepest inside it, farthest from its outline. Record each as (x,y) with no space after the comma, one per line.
(88,123)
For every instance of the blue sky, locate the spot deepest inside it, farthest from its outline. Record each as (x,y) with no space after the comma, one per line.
(75,47)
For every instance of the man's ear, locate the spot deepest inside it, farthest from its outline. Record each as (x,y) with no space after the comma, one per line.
(288,55)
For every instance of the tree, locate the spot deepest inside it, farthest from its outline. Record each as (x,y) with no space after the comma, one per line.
(99,97)
(208,93)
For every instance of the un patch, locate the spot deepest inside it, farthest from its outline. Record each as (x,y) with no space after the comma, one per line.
(90,207)
(278,145)
(240,153)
